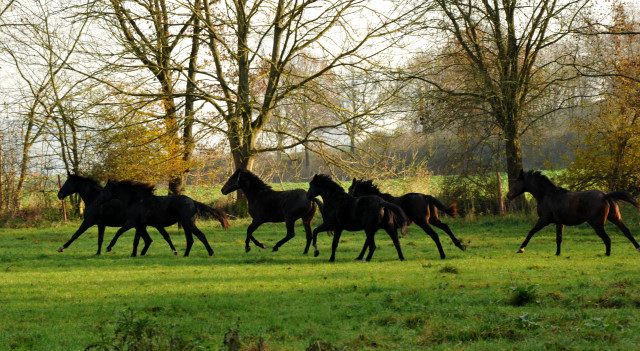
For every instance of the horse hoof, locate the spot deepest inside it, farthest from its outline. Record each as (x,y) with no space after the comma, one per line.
(108,249)
(463,247)
(263,246)
(60,249)
(358,258)
(212,254)
(520,250)
(316,253)
(247,249)
(638,249)
(175,253)
(275,249)
(401,258)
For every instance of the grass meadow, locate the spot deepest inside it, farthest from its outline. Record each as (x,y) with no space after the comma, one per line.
(483,299)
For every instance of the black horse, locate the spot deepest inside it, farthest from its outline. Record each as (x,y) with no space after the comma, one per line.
(564,207)
(270,206)
(345,212)
(420,209)
(104,214)
(144,208)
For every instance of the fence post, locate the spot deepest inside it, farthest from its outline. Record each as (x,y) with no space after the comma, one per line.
(64,209)
(500,199)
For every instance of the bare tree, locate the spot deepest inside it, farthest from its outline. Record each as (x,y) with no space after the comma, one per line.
(497,48)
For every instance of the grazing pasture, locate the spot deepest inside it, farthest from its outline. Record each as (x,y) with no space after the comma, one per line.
(485,298)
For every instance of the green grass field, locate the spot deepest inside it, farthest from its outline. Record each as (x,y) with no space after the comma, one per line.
(485,298)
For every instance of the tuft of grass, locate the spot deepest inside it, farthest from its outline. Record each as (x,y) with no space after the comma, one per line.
(522,295)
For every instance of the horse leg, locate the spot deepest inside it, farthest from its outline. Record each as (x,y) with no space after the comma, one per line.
(100,237)
(321,228)
(290,234)
(559,230)
(393,233)
(200,235)
(167,238)
(599,228)
(147,239)
(334,244)
(250,229)
(120,231)
(136,241)
(626,232)
(86,224)
(372,243)
(436,221)
(189,238)
(364,249)
(309,234)
(536,228)
(432,233)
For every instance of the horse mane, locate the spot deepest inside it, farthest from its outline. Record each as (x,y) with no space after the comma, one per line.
(89,180)
(327,182)
(368,186)
(136,188)
(545,182)
(255,183)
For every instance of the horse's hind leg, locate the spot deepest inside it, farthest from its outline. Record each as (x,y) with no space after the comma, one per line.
(393,233)
(599,228)
(100,238)
(364,249)
(559,230)
(432,233)
(290,234)
(167,238)
(321,228)
(147,239)
(436,222)
(372,243)
(309,235)
(189,238)
(200,235)
(626,232)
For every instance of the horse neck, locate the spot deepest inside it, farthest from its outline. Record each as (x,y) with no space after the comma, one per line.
(88,192)
(331,196)
(252,191)
(537,192)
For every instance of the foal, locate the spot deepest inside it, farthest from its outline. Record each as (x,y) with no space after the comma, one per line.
(345,212)
(268,205)
(103,214)
(564,207)
(420,209)
(144,208)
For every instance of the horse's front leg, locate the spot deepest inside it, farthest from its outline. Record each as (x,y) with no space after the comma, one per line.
(142,230)
(559,230)
(290,234)
(120,231)
(101,228)
(536,228)
(321,228)
(334,244)
(86,224)
(250,229)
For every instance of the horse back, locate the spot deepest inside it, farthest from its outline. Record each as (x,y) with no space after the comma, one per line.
(277,206)
(573,208)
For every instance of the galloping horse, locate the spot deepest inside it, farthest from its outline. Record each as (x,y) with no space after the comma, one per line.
(144,208)
(345,212)
(268,205)
(104,214)
(420,209)
(564,207)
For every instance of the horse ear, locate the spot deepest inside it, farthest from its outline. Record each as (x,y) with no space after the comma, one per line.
(353,181)
(521,175)
(68,173)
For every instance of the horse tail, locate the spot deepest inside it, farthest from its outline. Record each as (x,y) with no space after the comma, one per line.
(219,215)
(623,196)
(451,210)
(397,215)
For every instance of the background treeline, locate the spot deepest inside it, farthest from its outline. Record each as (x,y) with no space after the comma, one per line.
(432,96)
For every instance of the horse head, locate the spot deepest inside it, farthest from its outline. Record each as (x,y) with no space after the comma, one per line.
(233,183)
(518,186)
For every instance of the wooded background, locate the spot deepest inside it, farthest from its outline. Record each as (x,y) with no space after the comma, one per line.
(179,92)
